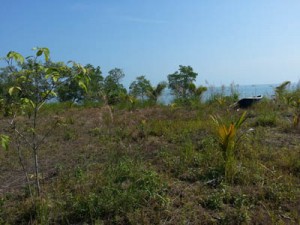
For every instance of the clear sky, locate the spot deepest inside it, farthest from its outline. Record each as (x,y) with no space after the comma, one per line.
(240,41)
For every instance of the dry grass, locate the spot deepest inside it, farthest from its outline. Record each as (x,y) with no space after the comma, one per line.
(174,151)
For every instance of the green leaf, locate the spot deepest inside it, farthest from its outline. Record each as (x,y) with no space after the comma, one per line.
(41,51)
(46,53)
(55,76)
(51,70)
(241,120)
(11,90)
(49,93)
(32,103)
(27,102)
(4,141)
(82,85)
(53,93)
(16,56)
(22,78)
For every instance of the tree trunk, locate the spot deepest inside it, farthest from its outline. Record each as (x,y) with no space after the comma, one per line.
(35,151)
(36,167)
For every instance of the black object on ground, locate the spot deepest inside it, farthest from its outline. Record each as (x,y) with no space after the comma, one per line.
(247,102)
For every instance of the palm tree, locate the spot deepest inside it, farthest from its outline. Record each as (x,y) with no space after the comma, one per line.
(155,92)
(281,90)
(195,91)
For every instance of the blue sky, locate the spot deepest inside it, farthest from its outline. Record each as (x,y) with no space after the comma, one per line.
(245,42)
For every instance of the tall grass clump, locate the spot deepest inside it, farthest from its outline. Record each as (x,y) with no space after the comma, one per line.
(290,99)
(267,120)
(294,102)
(223,96)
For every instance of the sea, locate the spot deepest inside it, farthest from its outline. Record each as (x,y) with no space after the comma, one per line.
(266,90)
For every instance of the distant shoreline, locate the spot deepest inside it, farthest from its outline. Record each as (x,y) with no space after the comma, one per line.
(267,90)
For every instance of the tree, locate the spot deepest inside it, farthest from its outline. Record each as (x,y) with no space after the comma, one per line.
(180,81)
(197,92)
(6,82)
(71,91)
(155,92)
(140,88)
(96,84)
(33,84)
(113,89)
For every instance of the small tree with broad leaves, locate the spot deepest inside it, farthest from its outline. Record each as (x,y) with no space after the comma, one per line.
(34,82)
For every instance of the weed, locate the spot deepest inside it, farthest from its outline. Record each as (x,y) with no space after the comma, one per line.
(267,120)
(187,154)
(213,201)
(69,134)
(125,187)
(95,132)
(238,217)
(295,167)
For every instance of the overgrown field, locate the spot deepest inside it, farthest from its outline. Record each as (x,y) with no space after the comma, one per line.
(157,165)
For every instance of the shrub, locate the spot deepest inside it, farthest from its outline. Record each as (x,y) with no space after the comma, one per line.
(227,138)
